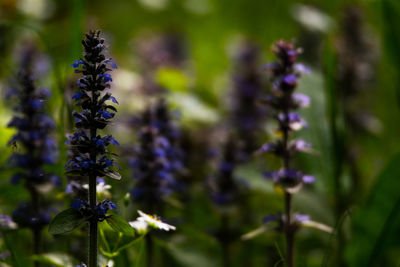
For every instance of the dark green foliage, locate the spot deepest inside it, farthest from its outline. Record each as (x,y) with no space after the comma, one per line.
(66,221)
(120,225)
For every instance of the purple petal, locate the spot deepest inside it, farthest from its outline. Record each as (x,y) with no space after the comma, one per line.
(301,99)
(302,69)
(308,179)
(302,217)
(269,218)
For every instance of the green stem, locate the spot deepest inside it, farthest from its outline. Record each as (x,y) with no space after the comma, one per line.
(288,231)
(149,249)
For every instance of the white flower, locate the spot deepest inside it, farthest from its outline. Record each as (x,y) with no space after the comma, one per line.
(154,222)
(101,188)
(140,226)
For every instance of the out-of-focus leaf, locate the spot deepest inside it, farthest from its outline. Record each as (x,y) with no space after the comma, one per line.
(376,224)
(172,79)
(256,232)
(193,109)
(318,226)
(66,221)
(120,225)
(18,257)
(113,175)
(55,259)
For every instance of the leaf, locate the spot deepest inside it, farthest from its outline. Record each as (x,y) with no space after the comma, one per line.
(120,225)
(376,224)
(66,221)
(18,258)
(111,174)
(172,79)
(55,259)
(256,232)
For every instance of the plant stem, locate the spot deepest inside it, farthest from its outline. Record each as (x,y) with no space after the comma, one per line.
(92,202)
(92,224)
(224,240)
(36,232)
(36,244)
(288,230)
(149,249)
(289,233)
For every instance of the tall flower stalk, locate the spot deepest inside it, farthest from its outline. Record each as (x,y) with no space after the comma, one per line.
(91,158)
(247,118)
(157,160)
(285,73)
(34,149)
(226,194)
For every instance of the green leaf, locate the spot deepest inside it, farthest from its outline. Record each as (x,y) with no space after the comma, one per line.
(376,224)
(55,259)
(173,79)
(120,225)
(66,221)
(112,174)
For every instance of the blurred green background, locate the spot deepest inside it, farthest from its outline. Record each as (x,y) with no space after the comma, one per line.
(363,213)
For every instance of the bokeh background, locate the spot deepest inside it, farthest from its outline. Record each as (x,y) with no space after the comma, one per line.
(192,50)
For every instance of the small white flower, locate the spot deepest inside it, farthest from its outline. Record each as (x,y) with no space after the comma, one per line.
(154,222)
(139,226)
(101,188)
(110,263)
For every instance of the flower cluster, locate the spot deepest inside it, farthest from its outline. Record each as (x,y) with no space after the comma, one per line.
(285,101)
(247,118)
(34,148)
(99,211)
(90,155)
(155,161)
(170,130)
(223,186)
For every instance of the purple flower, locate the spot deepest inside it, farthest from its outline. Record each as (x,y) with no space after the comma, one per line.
(301,217)
(112,63)
(77,63)
(105,114)
(301,100)
(106,77)
(268,147)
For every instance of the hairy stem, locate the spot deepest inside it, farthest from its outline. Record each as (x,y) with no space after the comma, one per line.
(92,202)
(288,231)
(289,234)
(36,232)
(92,224)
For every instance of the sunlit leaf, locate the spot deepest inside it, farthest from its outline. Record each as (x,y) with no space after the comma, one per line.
(120,225)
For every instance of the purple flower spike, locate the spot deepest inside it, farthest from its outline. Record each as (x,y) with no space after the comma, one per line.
(284,102)
(36,148)
(90,155)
